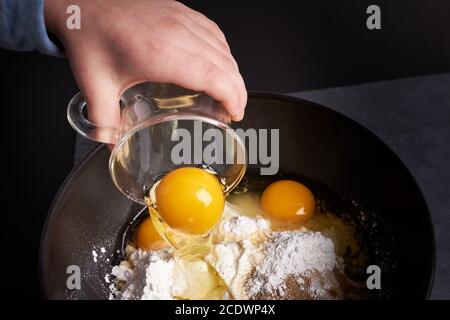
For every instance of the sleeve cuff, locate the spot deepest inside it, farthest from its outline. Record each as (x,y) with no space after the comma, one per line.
(22,27)
(43,42)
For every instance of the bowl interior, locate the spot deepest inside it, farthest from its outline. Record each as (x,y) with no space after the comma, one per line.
(86,222)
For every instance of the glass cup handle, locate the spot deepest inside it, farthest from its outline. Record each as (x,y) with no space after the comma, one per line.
(86,128)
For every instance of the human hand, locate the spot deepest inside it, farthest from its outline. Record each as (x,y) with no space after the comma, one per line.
(122,43)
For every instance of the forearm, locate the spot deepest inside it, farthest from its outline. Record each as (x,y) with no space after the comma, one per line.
(22,27)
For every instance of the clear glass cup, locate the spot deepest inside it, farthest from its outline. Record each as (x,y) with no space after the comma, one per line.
(154,119)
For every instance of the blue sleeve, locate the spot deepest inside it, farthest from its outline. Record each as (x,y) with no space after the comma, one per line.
(22,27)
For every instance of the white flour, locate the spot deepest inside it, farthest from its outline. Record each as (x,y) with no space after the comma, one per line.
(234,262)
(249,258)
(238,228)
(148,278)
(291,253)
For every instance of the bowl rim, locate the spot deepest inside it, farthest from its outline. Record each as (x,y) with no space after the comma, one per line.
(50,217)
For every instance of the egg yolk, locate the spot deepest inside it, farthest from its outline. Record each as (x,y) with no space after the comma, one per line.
(190,199)
(147,238)
(288,200)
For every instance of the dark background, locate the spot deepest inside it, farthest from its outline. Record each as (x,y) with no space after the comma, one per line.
(280,46)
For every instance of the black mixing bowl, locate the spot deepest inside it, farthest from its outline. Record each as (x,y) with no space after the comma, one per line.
(87,220)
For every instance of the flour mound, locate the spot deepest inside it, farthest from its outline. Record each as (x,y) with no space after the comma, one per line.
(290,256)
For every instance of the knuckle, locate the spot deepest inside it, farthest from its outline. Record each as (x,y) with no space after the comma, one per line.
(216,27)
(171,24)
(232,65)
(212,73)
(178,15)
(223,46)
(177,5)
(226,46)
(244,99)
(227,63)
(160,48)
(210,23)
(200,16)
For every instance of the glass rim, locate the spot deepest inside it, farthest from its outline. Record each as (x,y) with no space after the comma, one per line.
(166,118)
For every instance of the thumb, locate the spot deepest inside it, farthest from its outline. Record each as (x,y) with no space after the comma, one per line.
(104,112)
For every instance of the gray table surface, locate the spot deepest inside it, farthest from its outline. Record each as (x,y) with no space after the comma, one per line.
(412,115)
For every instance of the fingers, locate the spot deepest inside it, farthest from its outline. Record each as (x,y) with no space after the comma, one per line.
(195,44)
(211,44)
(207,28)
(103,110)
(200,74)
(202,20)
(215,65)
(207,36)
(184,48)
